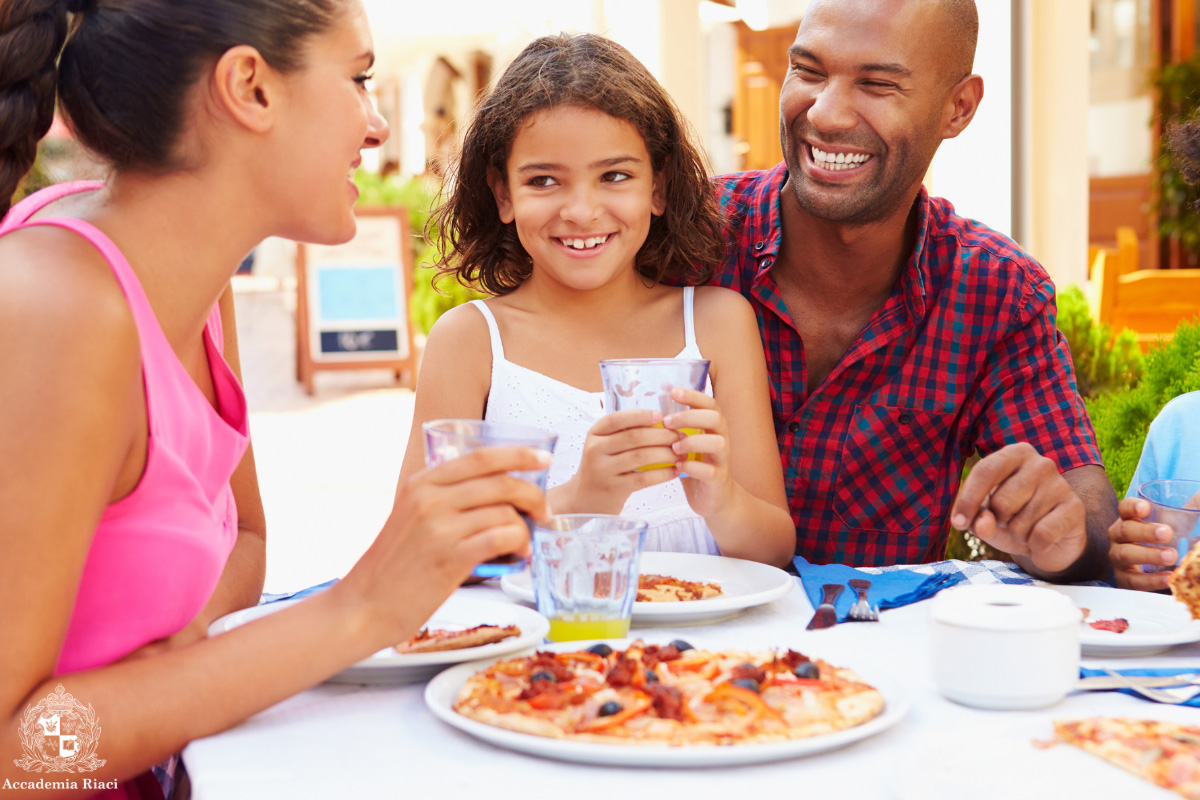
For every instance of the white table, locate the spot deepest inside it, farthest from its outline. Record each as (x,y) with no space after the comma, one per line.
(366,742)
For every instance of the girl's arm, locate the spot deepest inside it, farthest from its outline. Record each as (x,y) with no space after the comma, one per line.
(71,417)
(739,490)
(455,378)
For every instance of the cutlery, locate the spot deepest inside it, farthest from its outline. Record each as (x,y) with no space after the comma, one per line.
(826,615)
(862,611)
(1149,681)
(1169,696)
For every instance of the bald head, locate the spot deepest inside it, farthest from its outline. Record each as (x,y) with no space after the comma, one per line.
(959,36)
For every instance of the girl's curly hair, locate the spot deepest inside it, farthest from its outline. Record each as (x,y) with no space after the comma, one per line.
(685,243)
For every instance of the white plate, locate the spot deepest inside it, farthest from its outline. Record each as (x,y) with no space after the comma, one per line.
(442,691)
(999,761)
(1156,621)
(744,584)
(457,613)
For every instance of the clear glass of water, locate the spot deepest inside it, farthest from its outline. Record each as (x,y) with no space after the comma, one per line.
(585,574)
(1176,504)
(447,439)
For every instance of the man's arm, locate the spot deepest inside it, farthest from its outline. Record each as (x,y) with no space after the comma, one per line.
(1054,524)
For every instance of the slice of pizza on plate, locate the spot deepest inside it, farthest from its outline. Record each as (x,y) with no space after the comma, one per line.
(432,640)
(1166,754)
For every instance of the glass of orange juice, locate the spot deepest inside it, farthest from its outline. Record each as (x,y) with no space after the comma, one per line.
(647,383)
(585,574)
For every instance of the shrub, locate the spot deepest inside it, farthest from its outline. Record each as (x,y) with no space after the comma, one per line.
(1103,362)
(1122,417)
(420,197)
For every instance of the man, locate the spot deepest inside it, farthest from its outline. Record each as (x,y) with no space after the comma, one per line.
(900,337)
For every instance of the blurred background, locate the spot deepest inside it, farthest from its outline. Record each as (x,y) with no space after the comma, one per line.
(1064,156)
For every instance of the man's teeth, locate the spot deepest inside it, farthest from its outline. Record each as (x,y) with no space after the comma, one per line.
(836,161)
(585,244)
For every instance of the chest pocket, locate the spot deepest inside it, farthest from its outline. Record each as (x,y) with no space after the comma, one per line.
(891,467)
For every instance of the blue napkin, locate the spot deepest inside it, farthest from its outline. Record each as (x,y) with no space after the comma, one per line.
(268,597)
(1093,673)
(891,589)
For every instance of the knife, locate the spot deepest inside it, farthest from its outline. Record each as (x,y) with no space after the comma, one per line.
(1149,681)
(826,615)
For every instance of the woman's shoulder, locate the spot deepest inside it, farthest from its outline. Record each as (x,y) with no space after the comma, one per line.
(53,278)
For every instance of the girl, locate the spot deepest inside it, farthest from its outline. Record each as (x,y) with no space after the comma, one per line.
(129,510)
(577,194)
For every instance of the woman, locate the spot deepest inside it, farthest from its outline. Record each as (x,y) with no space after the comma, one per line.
(129,511)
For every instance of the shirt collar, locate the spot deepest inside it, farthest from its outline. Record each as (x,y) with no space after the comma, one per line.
(768,234)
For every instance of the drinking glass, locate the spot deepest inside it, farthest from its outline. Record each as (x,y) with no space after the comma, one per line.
(646,383)
(585,574)
(447,439)
(1176,504)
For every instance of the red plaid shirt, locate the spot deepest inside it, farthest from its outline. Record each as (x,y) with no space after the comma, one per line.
(963,356)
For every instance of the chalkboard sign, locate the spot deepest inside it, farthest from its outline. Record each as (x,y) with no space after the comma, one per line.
(352,302)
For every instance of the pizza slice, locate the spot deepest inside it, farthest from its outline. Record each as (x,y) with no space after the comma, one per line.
(432,641)
(1165,753)
(664,588)
(1185,581)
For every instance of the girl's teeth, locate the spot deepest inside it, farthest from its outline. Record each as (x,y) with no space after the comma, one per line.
(585,244)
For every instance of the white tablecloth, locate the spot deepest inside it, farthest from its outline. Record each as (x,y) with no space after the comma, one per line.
(366,742)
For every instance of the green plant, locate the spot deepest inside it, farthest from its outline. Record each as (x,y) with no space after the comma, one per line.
(432,296)
(1122,417)
(1103,362)
(1178,88)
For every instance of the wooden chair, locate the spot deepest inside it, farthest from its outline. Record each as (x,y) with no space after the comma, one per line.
(1151,302)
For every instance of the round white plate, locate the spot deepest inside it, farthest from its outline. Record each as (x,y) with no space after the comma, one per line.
(442,691)
(457,613)
(744,584)
(1157,622)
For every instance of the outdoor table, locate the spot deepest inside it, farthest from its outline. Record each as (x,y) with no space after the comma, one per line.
(381,741)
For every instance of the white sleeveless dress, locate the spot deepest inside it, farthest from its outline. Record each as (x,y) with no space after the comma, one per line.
(523,396)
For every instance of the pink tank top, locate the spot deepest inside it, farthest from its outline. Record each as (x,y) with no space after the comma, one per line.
(157,553)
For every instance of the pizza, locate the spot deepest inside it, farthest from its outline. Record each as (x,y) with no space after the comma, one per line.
(432,641)
(668,695)
(1165,753)
(665,589)
(1185,581)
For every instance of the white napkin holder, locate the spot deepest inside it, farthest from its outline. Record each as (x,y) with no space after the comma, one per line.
(1001,646)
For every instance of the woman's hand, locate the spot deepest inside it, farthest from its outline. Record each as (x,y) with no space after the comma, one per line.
(446,519)
(1132,543)
(709,484)
(616,447)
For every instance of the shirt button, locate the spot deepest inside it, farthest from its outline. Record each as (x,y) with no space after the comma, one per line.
(793,427)
(905,417)
(759,245)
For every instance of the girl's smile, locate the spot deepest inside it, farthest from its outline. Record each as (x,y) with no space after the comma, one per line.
(581,191)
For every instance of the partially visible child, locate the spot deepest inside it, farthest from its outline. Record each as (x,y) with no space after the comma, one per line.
(1172,450)
(577,193)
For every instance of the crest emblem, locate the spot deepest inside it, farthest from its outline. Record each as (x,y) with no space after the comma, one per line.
(59,735)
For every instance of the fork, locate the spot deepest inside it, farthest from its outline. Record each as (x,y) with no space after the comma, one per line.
(861,611)
(1176,696)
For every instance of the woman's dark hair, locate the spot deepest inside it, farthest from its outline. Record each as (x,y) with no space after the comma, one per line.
(124,74)
(685,243)
(1183,140)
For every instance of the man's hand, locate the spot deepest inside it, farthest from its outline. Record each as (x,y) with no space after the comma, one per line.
(1132,543)
(1017,501)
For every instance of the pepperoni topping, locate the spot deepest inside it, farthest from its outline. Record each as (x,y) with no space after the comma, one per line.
(622,672)
(668,701)
(1114,625)
(793,659)
(748,670)
(546,662)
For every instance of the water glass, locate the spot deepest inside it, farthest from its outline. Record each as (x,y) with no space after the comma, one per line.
(646,383)
(1176,504)
(585,574)
(447,439)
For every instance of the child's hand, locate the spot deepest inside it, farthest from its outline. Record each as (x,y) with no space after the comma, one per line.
(616,446)
(1129,547)
(709,484)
